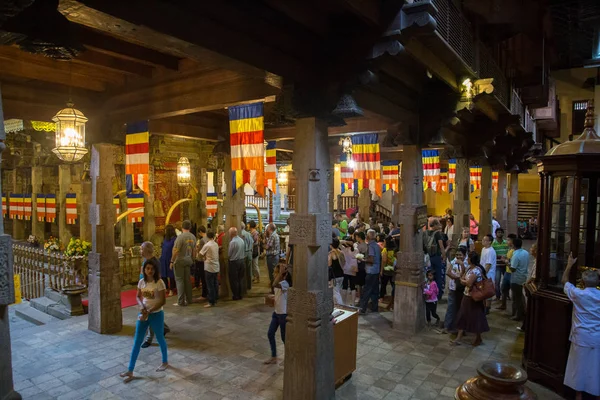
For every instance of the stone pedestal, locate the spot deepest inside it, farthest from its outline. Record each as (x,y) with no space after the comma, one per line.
(364,205)
(104,285)
(462,198)
(37,180)
(485,202)
(502,200)
(513,203)
(64,184)
(409,308)
(308,372)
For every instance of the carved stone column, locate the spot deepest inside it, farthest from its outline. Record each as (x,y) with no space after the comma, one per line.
(485,202)
(513,203)
(308,372)
(462,197)
(364,204)
(105,314)
(409,308)
(64,183)
(37,180)
(502,200)
(149,218)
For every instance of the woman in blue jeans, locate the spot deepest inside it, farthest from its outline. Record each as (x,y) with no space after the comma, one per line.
(281,284)
(151,299)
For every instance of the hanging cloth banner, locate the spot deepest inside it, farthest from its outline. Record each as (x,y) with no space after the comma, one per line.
(13,201)
(443,179)
(40,206)
(211,195)
(367,164)
(246,127)
(137,154)
(71,206)
(451,174)
(495,181)
(135,200)
(346,174)
(431,169)
(475,178)
(390,175)
(117,203)
(271,166)
(50,207)
(27,211)
(4,206)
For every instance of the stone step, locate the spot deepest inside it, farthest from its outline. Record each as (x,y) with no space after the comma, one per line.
(53,295)
(50,307)
(28,313)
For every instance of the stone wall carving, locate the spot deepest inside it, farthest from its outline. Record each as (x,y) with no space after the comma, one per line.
(7,289)
(310,229)
(312,304)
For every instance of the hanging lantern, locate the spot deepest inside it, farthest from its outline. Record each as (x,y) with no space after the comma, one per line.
(183,171)
(70,134)
(346,144)
(282,177)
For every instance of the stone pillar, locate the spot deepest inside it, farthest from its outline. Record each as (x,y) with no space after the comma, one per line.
(462,197)
(7,296)
(308,372)
(513,203)
(502,200)
(331,198)
(64,183)
(364,204)
(149,219)
(485,202)
(37,180)
(105,314)
(409,308)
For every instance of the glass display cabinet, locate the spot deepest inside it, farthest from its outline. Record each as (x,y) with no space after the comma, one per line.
(569,221)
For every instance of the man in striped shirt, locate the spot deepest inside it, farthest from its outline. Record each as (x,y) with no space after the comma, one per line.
(501,247)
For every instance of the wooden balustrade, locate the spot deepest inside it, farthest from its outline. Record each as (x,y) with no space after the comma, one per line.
(261,202)
(382,213)
(291,201)
(39,269)
(346,202)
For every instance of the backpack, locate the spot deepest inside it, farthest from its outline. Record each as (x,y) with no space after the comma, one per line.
(430,245)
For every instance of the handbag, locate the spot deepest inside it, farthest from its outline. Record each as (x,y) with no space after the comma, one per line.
(483,289)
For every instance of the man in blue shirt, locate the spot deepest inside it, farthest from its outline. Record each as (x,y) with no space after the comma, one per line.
(519,264)
(371,288)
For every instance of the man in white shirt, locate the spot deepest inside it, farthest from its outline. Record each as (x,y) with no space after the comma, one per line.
(488,260)
(355,220)
(210,252)
(495,226)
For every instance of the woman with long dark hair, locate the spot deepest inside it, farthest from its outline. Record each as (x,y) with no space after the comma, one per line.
(167,273)
(471,317)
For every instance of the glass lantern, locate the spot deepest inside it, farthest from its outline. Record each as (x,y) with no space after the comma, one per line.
(70,134)
(183,172)
(282,177)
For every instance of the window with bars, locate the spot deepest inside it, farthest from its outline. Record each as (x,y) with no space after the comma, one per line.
(578,117)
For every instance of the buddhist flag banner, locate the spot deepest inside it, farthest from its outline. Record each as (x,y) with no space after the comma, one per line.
(390,175)
(240,178)
(27,207)
(4,206)
(431,169)
(137,154)
(40,206)
(135,201)
(117,203)
(367,164)
(271,166)
(495,181)
(451,174)
(443,179)
(475,177)
(13,206)
(346,174)
(50,207)
(211,195)
(71,206)
(246,125)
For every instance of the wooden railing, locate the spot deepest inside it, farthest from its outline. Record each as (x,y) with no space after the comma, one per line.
(130,265)
(291,199)
(346,202)
(261,202)
(382,213)
(38,270)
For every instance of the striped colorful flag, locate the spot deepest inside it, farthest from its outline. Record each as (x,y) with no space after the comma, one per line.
(71,206)
(4,206)
(271,166)
(451,174)
(431,169)
(27,211)
(240,178)
(135,201)
(367,164)
(443,179)
(246,126)
(390,175)
(137,154)
(40,206)
(475,177)
(346,173)
(117,203)
(211,195)
(13,201)
(495,181)
(50,207)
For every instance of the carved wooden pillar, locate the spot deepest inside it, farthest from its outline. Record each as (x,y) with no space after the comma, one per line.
(308,372)
(37,181)
(149,218)
(513,203)
(462,197)
(198,208)
(227,208)
(64,184)
(409,309)
(85,232)
(485,202)
(502,200)
(364,204)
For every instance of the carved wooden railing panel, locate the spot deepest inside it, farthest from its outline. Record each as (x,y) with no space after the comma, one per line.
(346,202)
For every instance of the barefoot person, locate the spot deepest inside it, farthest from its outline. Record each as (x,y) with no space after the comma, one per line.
(281,284)
(151,299)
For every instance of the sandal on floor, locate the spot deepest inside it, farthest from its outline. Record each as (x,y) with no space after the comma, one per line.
(455,343)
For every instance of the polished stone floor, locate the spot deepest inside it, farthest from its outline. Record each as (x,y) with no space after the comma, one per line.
(218,353)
